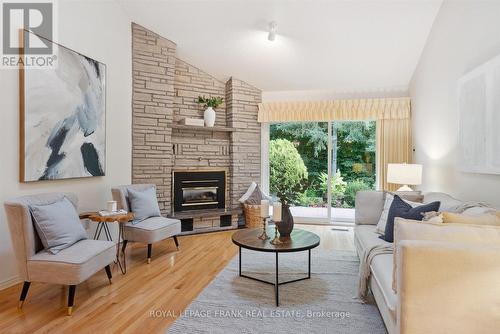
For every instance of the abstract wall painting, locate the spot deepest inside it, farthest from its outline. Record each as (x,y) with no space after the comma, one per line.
(479,110)
(63,119)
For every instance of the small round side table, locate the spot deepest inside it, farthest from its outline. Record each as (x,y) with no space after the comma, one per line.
(102,221)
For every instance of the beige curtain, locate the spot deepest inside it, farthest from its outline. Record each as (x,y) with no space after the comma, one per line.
(393,116)
(338,110)
(394,145)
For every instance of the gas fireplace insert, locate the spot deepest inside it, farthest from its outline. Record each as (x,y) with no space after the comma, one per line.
(198,190)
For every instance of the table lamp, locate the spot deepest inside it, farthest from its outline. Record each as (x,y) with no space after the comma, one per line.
(405,174)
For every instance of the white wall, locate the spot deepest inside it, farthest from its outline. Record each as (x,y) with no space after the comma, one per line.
(464,35)
(100,30)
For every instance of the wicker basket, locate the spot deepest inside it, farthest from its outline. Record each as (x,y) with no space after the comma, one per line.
(252,215)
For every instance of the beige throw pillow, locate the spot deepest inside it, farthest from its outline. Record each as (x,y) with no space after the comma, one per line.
(484,219)
(455,233)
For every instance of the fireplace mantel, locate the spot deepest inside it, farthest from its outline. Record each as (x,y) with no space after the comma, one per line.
(203,128)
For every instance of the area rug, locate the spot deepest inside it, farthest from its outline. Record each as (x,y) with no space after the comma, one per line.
(322,304)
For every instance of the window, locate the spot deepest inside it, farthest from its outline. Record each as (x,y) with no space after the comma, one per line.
(319,166)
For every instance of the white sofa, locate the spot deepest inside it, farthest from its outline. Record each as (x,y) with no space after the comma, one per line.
(419,305)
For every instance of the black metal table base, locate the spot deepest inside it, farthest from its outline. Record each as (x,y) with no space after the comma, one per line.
(276,282)
(104,226)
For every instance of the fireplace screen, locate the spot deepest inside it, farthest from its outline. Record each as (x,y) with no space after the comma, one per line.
(199,195)
(198,190)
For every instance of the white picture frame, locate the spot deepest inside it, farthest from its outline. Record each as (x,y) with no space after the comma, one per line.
(479,119)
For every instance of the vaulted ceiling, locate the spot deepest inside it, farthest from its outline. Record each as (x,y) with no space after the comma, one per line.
(320,45)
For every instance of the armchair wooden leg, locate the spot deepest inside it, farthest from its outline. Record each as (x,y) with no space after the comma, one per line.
(176,242)
(71,298)
(150,248)
(108,272)
(24,292)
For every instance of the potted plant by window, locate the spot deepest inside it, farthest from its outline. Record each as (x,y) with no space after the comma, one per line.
(288,178)
(210,103)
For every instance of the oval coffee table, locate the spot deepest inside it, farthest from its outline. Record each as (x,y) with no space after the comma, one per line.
(301,240)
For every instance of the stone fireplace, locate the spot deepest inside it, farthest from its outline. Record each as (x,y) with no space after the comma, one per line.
(175,156)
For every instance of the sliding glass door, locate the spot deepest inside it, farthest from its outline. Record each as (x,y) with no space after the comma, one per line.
(353,167)
(319,166)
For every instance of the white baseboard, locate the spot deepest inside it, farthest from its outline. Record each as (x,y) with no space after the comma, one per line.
(10,282)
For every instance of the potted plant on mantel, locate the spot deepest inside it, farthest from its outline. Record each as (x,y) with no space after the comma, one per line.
(210,103)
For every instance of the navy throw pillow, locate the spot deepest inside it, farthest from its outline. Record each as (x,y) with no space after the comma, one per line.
(400,208)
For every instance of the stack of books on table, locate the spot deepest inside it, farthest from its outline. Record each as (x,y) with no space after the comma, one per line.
(105,213)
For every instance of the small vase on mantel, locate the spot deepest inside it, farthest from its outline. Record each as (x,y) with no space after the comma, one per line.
(285,226)
(209,117)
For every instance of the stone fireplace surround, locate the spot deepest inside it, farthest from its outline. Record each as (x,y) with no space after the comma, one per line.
(165,89)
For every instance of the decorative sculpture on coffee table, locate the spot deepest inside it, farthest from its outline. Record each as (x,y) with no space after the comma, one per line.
(276,240)
(264,235)
(285,226)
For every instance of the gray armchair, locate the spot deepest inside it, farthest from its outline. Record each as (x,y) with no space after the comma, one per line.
(70,266)
(150,230)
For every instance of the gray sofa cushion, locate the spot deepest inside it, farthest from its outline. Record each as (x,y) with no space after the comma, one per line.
(369,205)
(143,204)
(381,268)
(448,203)
(365,236)
(57,224)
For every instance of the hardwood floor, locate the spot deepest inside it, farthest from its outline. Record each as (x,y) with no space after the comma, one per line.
(168,284)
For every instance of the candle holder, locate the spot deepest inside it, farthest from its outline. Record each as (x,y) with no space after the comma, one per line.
(276,241)
(264,235)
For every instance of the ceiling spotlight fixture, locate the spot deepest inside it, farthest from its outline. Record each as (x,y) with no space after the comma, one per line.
(272,31)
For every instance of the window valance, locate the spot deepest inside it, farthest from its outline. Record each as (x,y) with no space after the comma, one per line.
(335,110)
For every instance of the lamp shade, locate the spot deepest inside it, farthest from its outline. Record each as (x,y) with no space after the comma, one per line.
(407,174)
